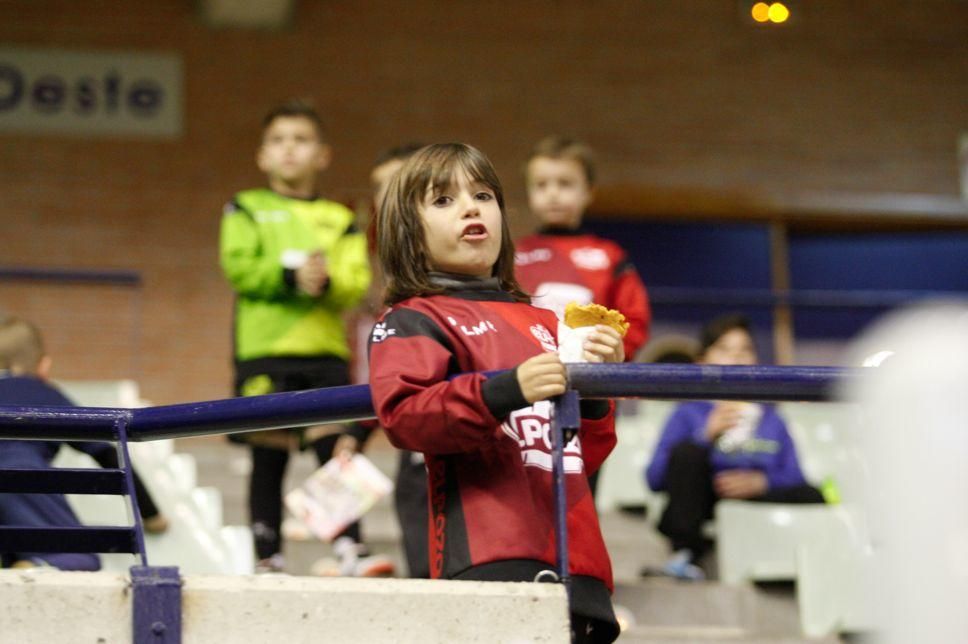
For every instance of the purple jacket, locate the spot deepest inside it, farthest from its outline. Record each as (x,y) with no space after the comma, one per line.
(771,450)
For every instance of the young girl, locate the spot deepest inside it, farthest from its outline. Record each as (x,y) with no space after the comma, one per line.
(456,310)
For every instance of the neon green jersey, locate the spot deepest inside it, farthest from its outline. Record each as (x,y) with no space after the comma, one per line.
(264,237)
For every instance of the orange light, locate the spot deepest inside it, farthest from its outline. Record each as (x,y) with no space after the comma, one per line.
(760,12)
(778,12)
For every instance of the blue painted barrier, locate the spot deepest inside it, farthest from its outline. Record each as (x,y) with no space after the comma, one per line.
(157,613)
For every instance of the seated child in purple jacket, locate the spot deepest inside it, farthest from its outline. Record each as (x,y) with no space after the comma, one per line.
(721,450)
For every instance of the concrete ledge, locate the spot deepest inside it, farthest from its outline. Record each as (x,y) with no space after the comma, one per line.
(48,607)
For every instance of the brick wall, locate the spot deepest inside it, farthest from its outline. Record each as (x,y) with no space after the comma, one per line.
(863,97)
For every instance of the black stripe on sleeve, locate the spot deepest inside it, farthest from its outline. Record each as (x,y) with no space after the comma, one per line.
(502,394)
(623,267)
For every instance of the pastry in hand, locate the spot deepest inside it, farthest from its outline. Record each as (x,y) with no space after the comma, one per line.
(578,315)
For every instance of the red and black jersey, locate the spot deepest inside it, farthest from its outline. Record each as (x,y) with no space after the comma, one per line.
(558,266)
(488,452)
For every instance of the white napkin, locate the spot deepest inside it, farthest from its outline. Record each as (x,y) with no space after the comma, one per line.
(571,341)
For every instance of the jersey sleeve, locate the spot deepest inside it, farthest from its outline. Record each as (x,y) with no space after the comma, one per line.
(249,270)
(348,265)
(418,407)
(630,297)
(598,439)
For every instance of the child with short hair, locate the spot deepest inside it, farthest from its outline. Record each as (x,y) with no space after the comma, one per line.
(25,370)
(297,263)
(562,262)
(456,311)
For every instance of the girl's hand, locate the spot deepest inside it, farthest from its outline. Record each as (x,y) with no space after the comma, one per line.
(723,416)
(740,484)
(604,345)
(542,377)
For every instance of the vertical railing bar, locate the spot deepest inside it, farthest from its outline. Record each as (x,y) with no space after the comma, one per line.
(560,492)
(124,456)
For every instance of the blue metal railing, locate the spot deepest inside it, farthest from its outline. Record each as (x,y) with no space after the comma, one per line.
(342,404)
(335,404)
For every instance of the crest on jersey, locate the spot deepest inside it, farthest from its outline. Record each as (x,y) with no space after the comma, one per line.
(530,427)
(545,337)
(590,258)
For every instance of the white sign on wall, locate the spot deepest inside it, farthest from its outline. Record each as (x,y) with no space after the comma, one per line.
(105,94)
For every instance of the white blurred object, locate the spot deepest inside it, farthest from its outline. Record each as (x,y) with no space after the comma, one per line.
(736,436)
(914,431)
(337,494)
(875,359)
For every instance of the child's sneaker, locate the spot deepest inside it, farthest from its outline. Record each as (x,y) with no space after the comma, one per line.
(274,564)
(355,560)
(680,566)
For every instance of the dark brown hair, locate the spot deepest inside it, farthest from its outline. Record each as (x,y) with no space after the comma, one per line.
(563,147)
(21,347)
(716,328)
(400,239)
(397,153)
(296,108)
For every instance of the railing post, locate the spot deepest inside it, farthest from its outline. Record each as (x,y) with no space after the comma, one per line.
(156,605)
(121,427)
(565,420)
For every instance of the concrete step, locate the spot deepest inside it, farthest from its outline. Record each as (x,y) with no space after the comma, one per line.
(660,610)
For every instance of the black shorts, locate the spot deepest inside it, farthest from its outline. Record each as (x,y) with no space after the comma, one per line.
(277,375)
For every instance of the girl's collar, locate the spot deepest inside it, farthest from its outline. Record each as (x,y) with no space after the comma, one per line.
(468,287)
(456,281)
(562,231)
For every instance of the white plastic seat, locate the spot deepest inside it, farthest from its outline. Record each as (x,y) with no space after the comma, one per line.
(759,541)
(621,482)
(196,540)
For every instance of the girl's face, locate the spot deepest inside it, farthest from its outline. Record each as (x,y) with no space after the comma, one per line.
(462,227)
(735,347)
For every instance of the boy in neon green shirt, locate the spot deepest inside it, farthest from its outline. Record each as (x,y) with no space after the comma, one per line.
(297,263)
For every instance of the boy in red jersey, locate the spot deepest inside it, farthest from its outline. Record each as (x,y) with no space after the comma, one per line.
(562,263)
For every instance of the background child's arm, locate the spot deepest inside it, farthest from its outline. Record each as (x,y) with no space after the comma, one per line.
(597,434)
(348,267)
(250,272)
(629,296)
